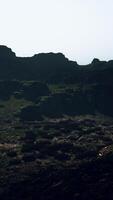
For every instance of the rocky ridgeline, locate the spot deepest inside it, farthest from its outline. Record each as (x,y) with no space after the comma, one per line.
(53,68)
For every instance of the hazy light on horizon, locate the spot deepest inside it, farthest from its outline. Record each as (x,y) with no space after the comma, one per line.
(81,29)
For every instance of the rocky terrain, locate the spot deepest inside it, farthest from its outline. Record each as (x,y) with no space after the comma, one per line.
(57,158)
(56,128)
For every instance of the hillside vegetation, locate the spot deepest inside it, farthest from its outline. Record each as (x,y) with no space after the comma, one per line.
(56,128)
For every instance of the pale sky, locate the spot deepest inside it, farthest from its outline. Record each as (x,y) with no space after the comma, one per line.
(81,29)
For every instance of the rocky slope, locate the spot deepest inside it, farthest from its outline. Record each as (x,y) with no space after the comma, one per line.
(56,128)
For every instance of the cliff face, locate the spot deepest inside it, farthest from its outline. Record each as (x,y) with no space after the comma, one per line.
(53,68)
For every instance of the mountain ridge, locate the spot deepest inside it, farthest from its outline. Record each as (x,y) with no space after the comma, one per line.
(52,68)
(7,51)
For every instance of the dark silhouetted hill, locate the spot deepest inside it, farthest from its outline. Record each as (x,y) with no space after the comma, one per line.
(94,83)
(52,68)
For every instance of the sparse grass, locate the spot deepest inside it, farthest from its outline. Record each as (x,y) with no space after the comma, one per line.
(12,106)
(57,88)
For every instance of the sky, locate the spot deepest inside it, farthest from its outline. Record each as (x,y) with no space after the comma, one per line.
(80,29)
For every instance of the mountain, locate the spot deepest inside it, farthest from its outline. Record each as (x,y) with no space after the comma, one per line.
(56,128)
(52,68)
(85,89)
